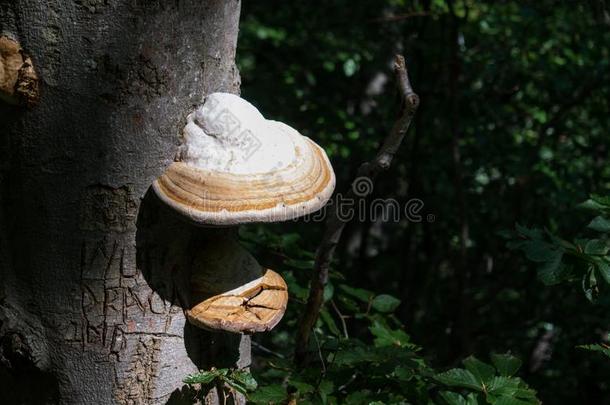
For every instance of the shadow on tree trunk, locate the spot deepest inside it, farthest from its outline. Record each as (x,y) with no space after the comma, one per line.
(166,249)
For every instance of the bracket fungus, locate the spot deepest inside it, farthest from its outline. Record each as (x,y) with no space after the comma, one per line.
(256,306)
(231,291)
(18,79)
(237,167)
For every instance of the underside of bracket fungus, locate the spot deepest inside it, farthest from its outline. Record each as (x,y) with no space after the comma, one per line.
(231,291)
(18,79)
(255,307)
(235,167)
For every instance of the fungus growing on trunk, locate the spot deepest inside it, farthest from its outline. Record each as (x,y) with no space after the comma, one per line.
(18,79)
(237,167)
(231,291)
(256,306)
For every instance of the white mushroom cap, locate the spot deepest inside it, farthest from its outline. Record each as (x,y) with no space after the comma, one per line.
(236,167)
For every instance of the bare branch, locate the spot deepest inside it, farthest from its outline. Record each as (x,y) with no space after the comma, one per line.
(334,224)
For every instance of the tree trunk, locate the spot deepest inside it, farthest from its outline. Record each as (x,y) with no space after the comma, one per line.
(90,313)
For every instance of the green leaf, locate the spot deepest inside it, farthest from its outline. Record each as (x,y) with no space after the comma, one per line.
(329,291)
(403,373)
(589,283)
(384,336)
(591,205)
(359,398)
(202,377)
(562,242)
(540,251)
(348,303)
(602,348)
(510,390)
(600,224)
(531,233)
(604,269)
(483,372)
(604,201)
(329,322)
(325,389)
(596,247)
(350,356)
(458,377)
(288,239)
(501,385)
(506,364)
(471,399)
(507,400)
(205,377)
(244,379)
(385,303)
(268,394)
(359,293)
(294,288)
(301,387)
(236,386)
(453,398)
(551,273)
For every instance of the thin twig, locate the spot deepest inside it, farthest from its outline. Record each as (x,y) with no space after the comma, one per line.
(321,357)
(335,225)
(341,317)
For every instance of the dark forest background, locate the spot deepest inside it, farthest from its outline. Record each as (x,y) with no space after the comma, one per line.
(511,135)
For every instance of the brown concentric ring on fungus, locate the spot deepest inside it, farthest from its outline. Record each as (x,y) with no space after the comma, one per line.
(215,182)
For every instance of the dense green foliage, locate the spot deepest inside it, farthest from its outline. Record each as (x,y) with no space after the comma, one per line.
(585,259)
(513,128)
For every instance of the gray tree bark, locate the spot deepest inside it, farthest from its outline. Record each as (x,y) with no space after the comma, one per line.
(91,272)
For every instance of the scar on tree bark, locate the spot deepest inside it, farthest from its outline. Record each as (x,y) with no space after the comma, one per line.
(334,224)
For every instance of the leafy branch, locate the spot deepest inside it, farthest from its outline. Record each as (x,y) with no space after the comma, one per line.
(585,258)
(238,380)
(603,348)
(487,384)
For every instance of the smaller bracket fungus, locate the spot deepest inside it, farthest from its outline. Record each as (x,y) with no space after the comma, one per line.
(18,79)
(235,167)
(230,291)
(254,307)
